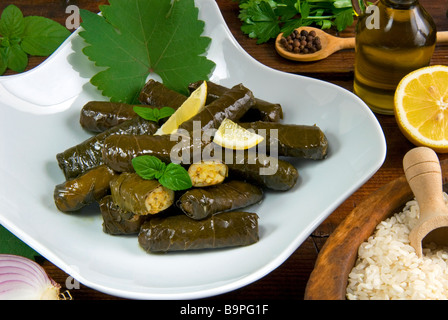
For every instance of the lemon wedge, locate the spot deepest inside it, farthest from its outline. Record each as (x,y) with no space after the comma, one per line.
(421,107)
(232,136)
(194,104)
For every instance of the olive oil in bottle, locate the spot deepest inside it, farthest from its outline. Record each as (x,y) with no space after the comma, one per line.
(393,38)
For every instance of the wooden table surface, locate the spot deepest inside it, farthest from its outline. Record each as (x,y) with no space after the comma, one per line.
(289,280)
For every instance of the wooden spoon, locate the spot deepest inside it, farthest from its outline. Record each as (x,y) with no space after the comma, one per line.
(330,45)
(424,175)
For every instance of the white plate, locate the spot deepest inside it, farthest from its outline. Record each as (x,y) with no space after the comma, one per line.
(39,117)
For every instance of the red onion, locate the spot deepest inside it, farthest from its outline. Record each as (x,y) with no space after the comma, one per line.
(24,279)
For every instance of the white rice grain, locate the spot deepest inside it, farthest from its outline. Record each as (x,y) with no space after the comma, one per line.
(387,267)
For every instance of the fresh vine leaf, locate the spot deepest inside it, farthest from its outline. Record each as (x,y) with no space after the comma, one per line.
(135,38)
(153,114)
(13,245)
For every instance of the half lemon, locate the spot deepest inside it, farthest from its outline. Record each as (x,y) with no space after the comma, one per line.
(421,107)
(194,104)
(232,136)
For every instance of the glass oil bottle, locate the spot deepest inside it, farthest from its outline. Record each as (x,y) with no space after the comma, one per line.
(393,38)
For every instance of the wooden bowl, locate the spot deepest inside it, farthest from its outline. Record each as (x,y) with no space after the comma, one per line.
(329,278)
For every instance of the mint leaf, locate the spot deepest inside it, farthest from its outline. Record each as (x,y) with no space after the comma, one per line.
(21,36)
(134,38)
(175,178)
(3,60)
(153,114)
(17,59)
(11,22)
(172,176)
(42,36)
(148,167)
(165,112)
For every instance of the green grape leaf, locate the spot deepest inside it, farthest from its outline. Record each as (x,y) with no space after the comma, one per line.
(134,38)
(13,245)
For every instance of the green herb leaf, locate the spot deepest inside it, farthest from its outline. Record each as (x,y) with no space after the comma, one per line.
(172,176)
(265,19)
(11,22)
(17,59)
(175,178)
(21,36)
(153,114)
(148,167)
(136,37)
(344,19)
(3,60)
(42,36)
(13,245)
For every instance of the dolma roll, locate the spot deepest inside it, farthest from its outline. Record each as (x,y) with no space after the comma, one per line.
(119,151)
(156,94)
(300,141)
(233,104)
(265,171)
(261,110)
(117,221)
(76,193)
(180,233)
(99,116)
(207,173)
(200,203)
(135,194)
(88,154)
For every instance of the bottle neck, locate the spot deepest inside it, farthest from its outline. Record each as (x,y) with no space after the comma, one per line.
(400,4)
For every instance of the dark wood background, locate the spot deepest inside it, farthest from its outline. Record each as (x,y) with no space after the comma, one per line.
(289,280)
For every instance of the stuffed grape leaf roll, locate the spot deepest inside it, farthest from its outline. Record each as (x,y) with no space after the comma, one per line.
(291,140)
(156,94)
(207,173)
(233,104)
(78,192)
(200,203)
(88,154)
(265,171)
(135,194)
(180,233)
(261,110)
(117,221)
(99,116)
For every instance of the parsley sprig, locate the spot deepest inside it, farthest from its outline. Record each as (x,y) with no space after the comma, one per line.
(172,176)
(265,19)
(22,36)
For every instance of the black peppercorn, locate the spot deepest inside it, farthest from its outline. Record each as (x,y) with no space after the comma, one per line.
(301,42)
